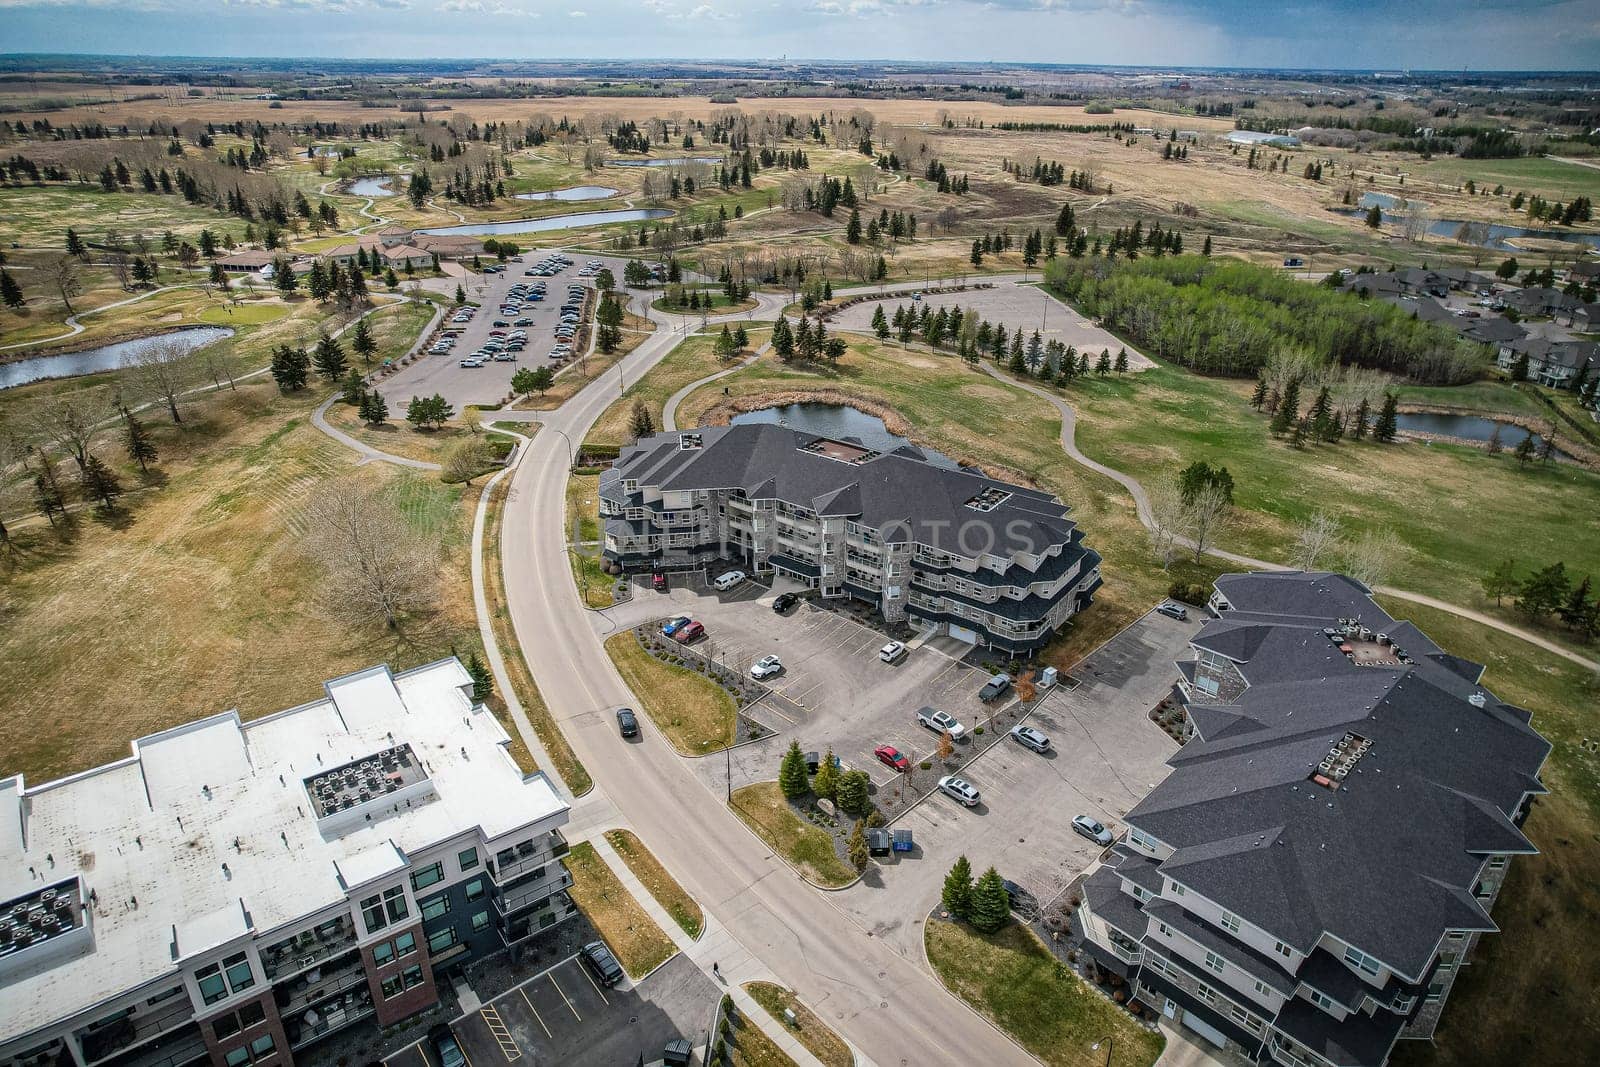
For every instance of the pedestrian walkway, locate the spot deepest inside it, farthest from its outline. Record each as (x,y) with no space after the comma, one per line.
(715,947)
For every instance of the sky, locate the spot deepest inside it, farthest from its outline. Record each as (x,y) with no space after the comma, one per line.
(1382,34)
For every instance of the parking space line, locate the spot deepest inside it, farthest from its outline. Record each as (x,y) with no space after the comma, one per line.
(499,1031)
(536,1016)
(596,985)
(570,1008)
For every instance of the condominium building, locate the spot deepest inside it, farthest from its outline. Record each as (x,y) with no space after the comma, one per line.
(924,541)
(235,892)
(1306,884)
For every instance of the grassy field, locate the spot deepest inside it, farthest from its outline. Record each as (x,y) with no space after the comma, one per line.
(683,908)
(638,942)
(750,1047)
(1012,980)
(544,725)
(689,361)
(695,714)
(970,416)
(200,598)
(583,528)
(809,1028)
(38,217)
(1550,178)
(1512,997)
(712,294)
(763,808)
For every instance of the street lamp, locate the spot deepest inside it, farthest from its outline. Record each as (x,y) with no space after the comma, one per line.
(1111,1043)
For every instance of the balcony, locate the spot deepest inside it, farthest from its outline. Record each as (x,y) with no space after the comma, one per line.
(512,864)
(176,1050)
(321,983)
(304,951)
(103,1042)
(529,894)
(525,926)
(320,1024)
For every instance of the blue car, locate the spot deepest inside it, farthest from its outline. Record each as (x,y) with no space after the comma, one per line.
(672,626)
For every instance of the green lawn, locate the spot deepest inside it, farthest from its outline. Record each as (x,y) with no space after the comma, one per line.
(1549,178)
(683,908)
(763,808)
(1013,981)
(809,1028)
(695,714)
(641,946)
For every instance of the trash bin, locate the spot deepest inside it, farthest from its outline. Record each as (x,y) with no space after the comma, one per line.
(1047,677)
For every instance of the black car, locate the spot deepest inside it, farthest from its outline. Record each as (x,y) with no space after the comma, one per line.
(602,963)
(627,722)
(785,601)
(445,1046)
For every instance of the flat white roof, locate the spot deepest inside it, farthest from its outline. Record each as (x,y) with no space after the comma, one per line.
(151,834)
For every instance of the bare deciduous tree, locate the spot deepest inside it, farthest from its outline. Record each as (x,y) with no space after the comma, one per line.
(1204,515)
(162,371)
(377,567)
(1370,559)
(64,273)
(71,424)
(1319,537)
(1418,218)
(1166,523)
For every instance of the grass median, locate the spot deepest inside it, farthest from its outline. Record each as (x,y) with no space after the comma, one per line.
(683,908)
(1012,980)
(640,945)
(583,533)
(695,714)
(809,1029)
(763,808)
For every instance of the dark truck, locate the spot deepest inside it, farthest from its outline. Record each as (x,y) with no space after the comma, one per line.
(996,688)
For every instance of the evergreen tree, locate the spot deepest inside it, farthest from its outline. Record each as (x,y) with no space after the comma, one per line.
(991,906)
(1122,361)
(75,245)
(640,423)
(1388,423)
(826,781)
(1288,410)
(956,897)
(1363,419)
(482,680)
(10,291)
(856,847)
(853,793)
(880,325)
(783,340)
(1102,366)
(1524,450)
(792,773)
(1259,396)
(47,497)
(1502,581)
(362,342)
(1578,607)
(138,444)
(289,368)
(1019,362)
(353,388)
(374,409)
(852,230)
(328,358)
(100,483)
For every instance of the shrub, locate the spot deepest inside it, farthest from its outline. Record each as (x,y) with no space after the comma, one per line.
(1188,593)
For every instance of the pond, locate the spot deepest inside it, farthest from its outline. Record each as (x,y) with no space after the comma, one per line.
(837,421)
(1495,235)
(552,222)
(371,187)
(679,162)
(573,192)
(1468,428)
(104,358)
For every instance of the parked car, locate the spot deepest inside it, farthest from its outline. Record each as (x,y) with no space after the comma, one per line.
(995,689)
(445,1047)
(892,757)
(658,581)
(471,361)
(960,789)
(1028,737)
(766,667)
(941,722)
(1173,611)
(685,634)
(728,579)
(785,601)
(602,963)
(893,652)
(1016,896)
(673,625)
(1092,829)
(627,722)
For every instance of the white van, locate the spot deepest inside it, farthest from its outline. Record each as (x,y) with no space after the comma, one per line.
(727,581)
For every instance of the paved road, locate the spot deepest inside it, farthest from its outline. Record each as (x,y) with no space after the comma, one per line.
(796,932)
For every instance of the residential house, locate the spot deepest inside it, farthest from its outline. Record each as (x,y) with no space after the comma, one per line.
(1556,364)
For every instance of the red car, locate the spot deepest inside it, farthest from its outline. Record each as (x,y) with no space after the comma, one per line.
(658,582)
(890,756)
(686,633)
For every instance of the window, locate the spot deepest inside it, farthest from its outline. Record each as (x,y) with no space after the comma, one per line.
(435,907)
(394,902)
(237,1056)
(1137,892)
(1447,960)
(405,944)
(412,976)
(1238,1014)
(480,921)
(225,1026)
(1497,863)
(251,1014)
(1205,993)
(237,968)
(1283,950)
(1262,989)
(1177,889)
(1166,931)
(212,987)
(441,940)
(467,858)
(475,889)
(382,953)
(1215,962)
(263,1046)
(372,914)
(1435,989)
(392,987)
(1230,922)
(1321,1000)
(1140,838)
(429,875)
(1155,963)
(1361,961)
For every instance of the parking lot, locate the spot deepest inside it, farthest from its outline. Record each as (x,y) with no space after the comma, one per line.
(442,373)
(563,1016)
(1017,307)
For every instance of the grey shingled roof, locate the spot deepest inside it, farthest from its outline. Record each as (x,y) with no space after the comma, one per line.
(1387,861)
(897,488)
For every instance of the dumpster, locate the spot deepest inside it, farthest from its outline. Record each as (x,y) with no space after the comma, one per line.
(902,841)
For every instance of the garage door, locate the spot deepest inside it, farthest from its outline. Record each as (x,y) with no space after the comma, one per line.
(962,633)
(1205,1029)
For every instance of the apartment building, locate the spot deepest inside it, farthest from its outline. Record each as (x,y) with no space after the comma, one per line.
(236,892)
(1307,883)
(924,541)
